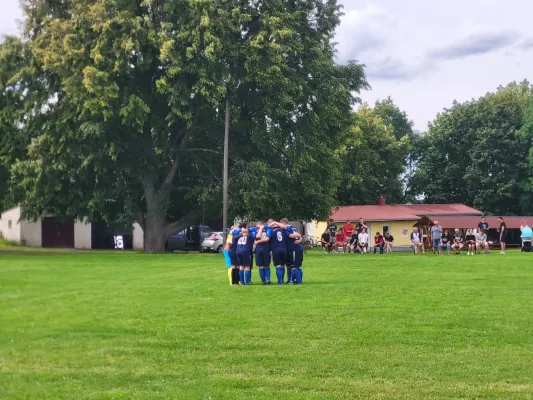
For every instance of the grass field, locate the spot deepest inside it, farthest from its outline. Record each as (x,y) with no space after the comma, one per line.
(133,326)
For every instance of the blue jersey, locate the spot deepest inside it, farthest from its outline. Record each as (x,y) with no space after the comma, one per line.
(245,244)
(290,241)
(278,240)
(236,235)
(267,233)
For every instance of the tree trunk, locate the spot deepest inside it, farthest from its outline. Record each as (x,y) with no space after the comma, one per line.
(154,233)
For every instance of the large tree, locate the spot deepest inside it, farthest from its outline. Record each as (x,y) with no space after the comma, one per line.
(373,160)
(473,154)
(133,94)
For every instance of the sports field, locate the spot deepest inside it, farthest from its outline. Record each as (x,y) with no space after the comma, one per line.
(133,326)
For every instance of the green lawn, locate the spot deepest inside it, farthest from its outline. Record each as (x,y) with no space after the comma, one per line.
(133,326)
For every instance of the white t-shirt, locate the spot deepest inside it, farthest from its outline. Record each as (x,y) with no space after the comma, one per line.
(363,238)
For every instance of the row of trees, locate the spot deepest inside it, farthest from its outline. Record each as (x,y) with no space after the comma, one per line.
(114,110)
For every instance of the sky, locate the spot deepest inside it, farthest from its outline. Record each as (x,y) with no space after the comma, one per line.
(423,53)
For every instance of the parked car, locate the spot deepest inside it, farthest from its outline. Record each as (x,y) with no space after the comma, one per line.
(189,239)
(215,242)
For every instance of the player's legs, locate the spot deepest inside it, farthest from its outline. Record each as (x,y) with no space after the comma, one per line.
(259,262)
(279,262)
(288,262)
(241,261)
(298,256)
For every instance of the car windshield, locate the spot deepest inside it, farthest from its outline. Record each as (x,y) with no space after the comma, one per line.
(213,235)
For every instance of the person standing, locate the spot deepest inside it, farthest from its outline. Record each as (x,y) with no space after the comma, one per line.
(227,257)
(236,234)
(389,241)
(361,225)
(503,234)
(244,255)
(296,251)
(436,235)
(347,229)
(483,225)
(262,252)
(379,243)
(279,250)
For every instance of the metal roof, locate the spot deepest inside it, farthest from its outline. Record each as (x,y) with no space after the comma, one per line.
(399,212)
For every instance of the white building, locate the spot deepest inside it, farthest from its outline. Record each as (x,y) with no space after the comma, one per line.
(47,231)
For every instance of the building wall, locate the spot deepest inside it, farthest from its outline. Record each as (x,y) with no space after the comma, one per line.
(82,235)
(32,233)
(315,229)
(10,226)
(396,229)
(138,237)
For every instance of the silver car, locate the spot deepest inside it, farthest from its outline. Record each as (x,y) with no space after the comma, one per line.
(214,242)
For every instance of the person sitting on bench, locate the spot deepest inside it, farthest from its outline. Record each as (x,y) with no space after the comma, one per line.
(481,241)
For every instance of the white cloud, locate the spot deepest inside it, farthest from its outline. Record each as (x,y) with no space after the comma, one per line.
(426,54)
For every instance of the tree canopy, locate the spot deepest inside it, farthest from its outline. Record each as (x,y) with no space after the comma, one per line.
(128,109)
(474,153)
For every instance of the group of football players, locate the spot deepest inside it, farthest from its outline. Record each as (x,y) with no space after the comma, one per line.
(277,242)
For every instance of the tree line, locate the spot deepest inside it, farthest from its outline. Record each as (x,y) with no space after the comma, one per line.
(114,111)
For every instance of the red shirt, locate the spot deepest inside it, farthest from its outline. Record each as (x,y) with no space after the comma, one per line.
(348,230)
(340,238)
(378,239)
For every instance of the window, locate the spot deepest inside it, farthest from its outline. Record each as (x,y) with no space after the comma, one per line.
(386,228)
(9,224)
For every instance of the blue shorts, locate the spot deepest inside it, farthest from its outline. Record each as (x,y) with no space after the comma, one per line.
(227,259)
(297,258)
(244,260)
(279,258)
(262,258)
(233,258)
(288,259)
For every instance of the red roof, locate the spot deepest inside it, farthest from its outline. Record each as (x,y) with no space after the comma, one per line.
(399,212)
(442,209)
(465,222)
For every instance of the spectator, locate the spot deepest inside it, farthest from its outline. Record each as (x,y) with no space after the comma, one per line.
(458,241)
(481,241)
(526,235)
(326,241)
(379,243)
(340,241)
(436,235)
(332,230)
(361,225)
(363,241)
(527,232)
(389,241)
(446,241)
(503,234)
(483,225)
(416,240)
(470,242)
(347,229)
(352,243)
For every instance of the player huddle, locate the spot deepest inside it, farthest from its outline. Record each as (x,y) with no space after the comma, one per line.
(277,242)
